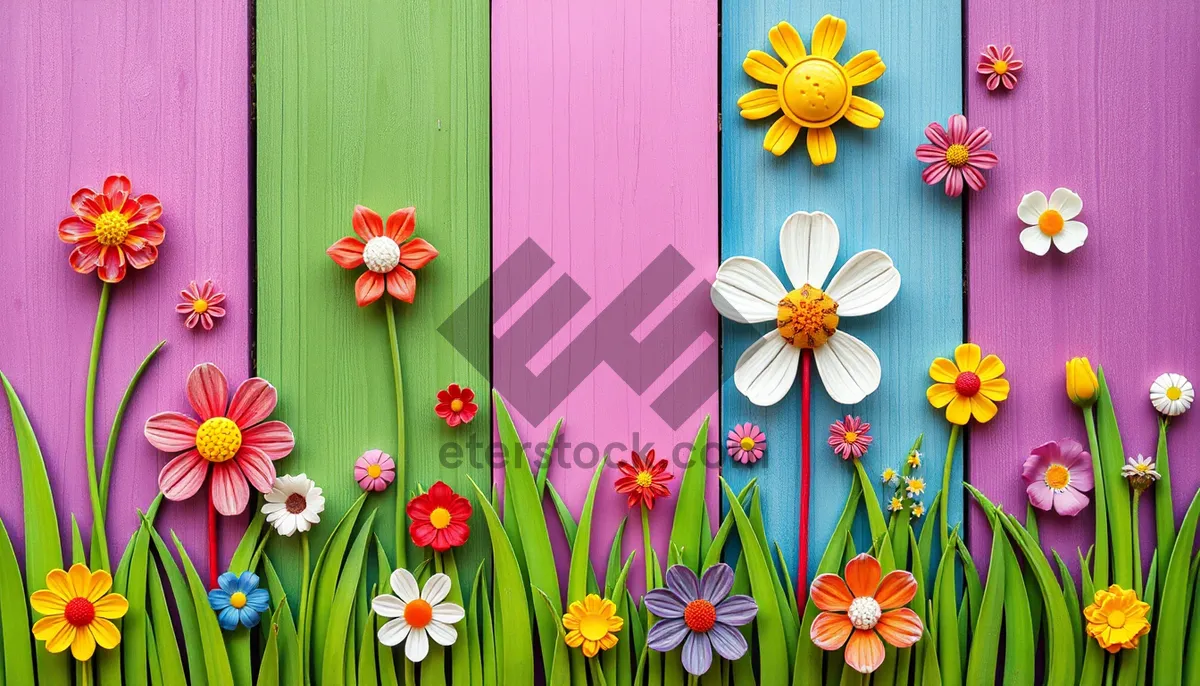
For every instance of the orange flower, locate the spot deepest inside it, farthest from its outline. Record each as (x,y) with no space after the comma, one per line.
(387,257)
(862,612)
(111,228)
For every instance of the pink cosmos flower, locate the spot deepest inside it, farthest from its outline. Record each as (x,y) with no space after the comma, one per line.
(746,443)
(848,437)
(201,305)
(956,155)
(999,66)
(374,470)
(230,435)
(1058,474)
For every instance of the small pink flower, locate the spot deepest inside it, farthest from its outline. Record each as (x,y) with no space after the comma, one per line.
(201,304)
(374,470)
(848,437)
(1058,474)
(746,443)
(999,66)
(956,156)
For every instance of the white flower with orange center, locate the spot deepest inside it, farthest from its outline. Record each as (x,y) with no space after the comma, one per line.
(1172,394)
(418,615)
(1052,221)
(808,316)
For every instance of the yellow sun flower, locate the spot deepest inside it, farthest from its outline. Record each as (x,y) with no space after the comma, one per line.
(78,609)
(813,90)
(968,385)
(1116,619)
(592,624)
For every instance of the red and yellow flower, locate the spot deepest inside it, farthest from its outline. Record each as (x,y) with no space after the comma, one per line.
(111,229)
(456,405)
(388,258)
(78,612)
(439,518)
(968,386)
(643,481)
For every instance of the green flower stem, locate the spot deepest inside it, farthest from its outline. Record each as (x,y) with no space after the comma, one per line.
(649,549)
(110,450)
(944,501)
(401,488)
(1137,545)
(99,540)
(1100,563)
(305,573)
(1164,507)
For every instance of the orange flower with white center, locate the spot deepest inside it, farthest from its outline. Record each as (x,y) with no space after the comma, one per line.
(112,228)
(78,611)
(592,625)
(968,386)
(383,250)
(813,90)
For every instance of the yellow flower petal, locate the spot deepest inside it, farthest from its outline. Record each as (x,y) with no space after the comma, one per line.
(590,648)
(759,104)
(84,645)
(787,42)
(45,628)
(607,609)
(822,148)
(996,389)
(781,136)
(62,638)
(940,394)
(990,368)
(864,68)
(576,608)
(593,604)
(574,639)
(99,584)
(570,622)
(943,370)
(59,582)
(982,409)
(105,633)
(47,603)
(608,642)
(81,579)
(615,624)
(112,606)
(959,410)
(762,67)
(966,356)
(864,113)
(828,36)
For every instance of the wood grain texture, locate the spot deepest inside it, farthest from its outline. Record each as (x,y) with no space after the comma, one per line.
(157,91)
(383,104)
(1119,123)
(875,194)
(605,155)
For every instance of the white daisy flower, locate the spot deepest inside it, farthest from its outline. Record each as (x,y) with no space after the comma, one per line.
(419,614)
(1172,394)
(1141,467)
(294,504)
(1052,221)
(746,291)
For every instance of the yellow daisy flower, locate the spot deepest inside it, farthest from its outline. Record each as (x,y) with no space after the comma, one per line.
(967,386)
(592,624)
(914,486)
(914,459)
(78,609)
(813,90)
(896,505)
(1116,619)
(890,477)
(917,510)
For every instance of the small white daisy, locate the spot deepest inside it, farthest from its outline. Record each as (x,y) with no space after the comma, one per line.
(1140,467)
(914,487)
(419,614)
(1051,221)
(1172,394)
(890,477)
(294,504)
(917,510)
(914,459)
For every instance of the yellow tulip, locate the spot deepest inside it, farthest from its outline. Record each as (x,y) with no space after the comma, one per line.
(1082,384)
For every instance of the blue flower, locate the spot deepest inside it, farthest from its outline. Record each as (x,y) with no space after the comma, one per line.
(239,600)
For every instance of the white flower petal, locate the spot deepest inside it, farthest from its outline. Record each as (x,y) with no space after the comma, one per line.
(808,243)
(436,589)
(395,631)
(766,371)
(1068,204)
(1072,236)
(286,525)
(388,605)
(1036,242)
(417,646)
(448,613)
(1032,206)
(442,634)
(746,291)
(848,367)
(865,284)
(271,507)
(404,585)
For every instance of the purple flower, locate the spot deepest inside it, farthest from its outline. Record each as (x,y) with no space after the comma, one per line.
(1058,474)
(697,614)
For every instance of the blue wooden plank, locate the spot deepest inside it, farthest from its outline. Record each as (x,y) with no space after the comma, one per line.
(875,193)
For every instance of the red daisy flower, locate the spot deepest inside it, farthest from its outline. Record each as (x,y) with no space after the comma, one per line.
(455,405)
(111,229)
(439,518)
(643,481)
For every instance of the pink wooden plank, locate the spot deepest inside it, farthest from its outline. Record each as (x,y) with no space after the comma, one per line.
(604,152)
(157,91)
(1102,107)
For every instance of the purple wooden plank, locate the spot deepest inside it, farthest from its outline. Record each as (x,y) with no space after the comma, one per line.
(608,162)
(157,91)
(1103,107)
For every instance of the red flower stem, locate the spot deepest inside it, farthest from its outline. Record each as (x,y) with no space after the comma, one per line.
(805,472)
(212,542)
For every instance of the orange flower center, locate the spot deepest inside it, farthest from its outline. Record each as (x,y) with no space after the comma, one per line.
(199,306)
(747,443)
(237,600)
(456,405)
(440,518)
(1000,67)
(1057,477)
(957,155)
(967,384)
(79,612)
(1050,222)
(111,228)
(218,439)
(644,479)
(700,615)
(418,613)
(851,436)
(374,471)
(864,613)
(1117,619)
(807,317)
(295,503)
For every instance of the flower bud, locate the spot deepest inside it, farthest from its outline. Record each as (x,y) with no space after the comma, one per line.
(1082,384)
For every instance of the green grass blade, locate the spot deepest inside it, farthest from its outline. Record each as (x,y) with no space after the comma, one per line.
(216,661)
(614,558)
(716,548)
(547,455)
(268,666)
(1074,610)
(791,629)
(925,541)
(945,613)
(580,567)
(133,628)
(560,672)
(460,657)
(974,586)
(985,644)
(384,656)
(184,606)
(14,617)
(565,517)
(315,627)
(487,635)
(473,642)
(114,432)
(170,660)
(290,669)
(1060,649)
(342,604)
(1116,489)
(1164,506)
(686,530)
(1171,629)
(368,672)
(609,658)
